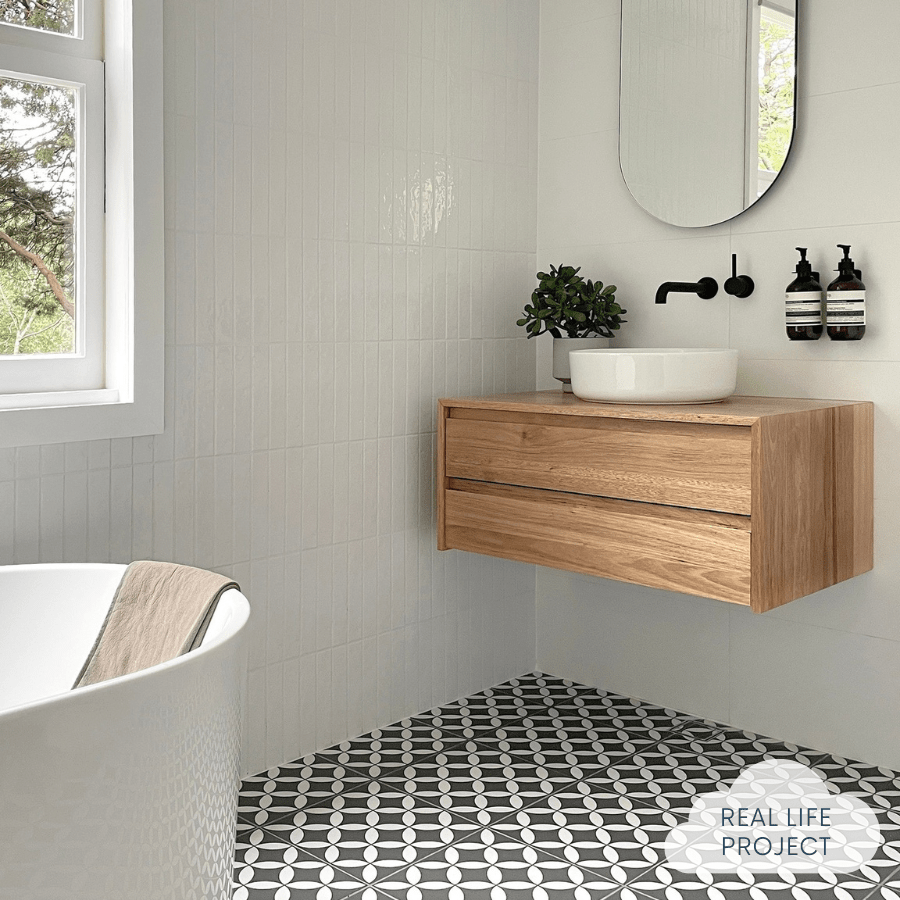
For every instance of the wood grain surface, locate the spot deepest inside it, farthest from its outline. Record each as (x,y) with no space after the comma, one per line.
(854,490)
(700,466)
(754,500)
(736,410)
(661,547)
(440,479)
(812,502)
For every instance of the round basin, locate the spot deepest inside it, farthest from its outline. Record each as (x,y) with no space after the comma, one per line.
(653,375)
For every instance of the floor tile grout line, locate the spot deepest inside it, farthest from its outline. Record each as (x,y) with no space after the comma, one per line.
(475,827)
(543,713)
(480,739)
(493,826)
(478,828)
(394,773)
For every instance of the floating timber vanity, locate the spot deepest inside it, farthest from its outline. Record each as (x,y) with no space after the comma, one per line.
(754,500)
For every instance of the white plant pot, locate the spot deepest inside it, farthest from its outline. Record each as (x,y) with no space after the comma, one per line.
(561,348)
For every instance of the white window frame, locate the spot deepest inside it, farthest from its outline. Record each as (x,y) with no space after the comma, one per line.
(130,399)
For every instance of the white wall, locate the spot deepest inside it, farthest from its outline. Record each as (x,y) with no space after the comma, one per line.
(350,197)
(824,670)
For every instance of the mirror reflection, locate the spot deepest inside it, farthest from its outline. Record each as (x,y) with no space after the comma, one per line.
(706,104)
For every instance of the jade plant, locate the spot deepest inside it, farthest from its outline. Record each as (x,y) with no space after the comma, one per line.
(565,305)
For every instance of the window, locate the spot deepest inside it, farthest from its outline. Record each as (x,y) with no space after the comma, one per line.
(771,84)
(81,242)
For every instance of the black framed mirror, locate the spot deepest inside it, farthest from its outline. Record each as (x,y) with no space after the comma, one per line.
(707,108)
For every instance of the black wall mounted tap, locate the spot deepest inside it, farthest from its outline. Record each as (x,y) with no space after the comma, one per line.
(738,285)
(705,289)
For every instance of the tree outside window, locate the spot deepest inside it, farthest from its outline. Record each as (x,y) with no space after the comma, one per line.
(776,91)
(37,198)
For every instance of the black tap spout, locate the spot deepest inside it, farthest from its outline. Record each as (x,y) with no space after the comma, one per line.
(705,289)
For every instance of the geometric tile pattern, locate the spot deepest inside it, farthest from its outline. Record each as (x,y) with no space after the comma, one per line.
(535,788)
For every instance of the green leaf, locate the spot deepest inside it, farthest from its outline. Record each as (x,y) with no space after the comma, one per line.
(566,303)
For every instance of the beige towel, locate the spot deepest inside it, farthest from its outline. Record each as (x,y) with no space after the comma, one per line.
(159,611)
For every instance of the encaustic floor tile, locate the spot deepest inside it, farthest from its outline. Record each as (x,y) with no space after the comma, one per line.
(536,788)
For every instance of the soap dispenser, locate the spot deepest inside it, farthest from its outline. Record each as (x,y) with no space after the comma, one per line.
(845,304)
(803,303)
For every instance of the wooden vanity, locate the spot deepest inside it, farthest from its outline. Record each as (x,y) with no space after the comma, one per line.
(754,500)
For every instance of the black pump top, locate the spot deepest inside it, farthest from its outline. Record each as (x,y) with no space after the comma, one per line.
(804,267)
(845,266)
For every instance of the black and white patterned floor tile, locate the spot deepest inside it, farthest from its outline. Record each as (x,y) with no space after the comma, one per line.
(666,779)
(880,787)
(595,707)
(488,865)
(744,748)
(385,750)
(667,883)
(281,791)
(269,868)
(593,832)
(486,712)
(370,834)
(535,685)
(478,782)
(558,742)
(537,788)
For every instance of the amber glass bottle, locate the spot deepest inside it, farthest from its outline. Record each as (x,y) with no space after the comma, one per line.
(845,304)
(803,303)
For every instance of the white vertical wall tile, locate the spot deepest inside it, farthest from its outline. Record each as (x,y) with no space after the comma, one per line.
(343,246)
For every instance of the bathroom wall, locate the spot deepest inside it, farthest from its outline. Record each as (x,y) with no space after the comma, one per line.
(350,197)
(825,670)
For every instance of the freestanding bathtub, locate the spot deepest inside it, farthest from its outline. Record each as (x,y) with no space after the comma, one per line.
(125,790)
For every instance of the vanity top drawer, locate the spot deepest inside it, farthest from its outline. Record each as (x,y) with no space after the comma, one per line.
(672,463)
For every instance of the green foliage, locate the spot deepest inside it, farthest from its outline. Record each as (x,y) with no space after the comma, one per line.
(37,199)
(565,305)
(27,326)
(48,15)
(776,93)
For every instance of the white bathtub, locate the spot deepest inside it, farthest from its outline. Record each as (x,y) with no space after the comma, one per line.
(125,790)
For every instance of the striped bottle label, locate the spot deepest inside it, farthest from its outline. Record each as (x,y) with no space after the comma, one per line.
(803,308)
(845,308)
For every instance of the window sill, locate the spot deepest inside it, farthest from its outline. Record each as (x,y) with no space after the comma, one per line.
(57,398)
(75,416)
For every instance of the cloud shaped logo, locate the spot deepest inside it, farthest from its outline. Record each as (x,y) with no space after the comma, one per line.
(778,815)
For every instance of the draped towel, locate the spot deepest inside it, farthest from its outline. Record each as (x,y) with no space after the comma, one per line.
(160,610)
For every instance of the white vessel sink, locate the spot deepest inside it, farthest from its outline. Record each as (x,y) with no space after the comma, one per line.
(653,375)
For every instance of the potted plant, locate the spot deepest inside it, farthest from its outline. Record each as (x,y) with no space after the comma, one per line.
(579,314)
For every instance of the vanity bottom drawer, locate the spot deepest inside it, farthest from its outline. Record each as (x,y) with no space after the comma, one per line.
(674,548)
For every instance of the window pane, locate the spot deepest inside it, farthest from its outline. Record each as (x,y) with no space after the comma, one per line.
(47,15)
(37,216)
(776,93)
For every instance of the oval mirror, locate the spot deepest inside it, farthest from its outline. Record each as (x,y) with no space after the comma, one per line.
(706,112)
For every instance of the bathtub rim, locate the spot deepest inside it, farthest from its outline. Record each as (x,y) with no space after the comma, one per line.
(232,600)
